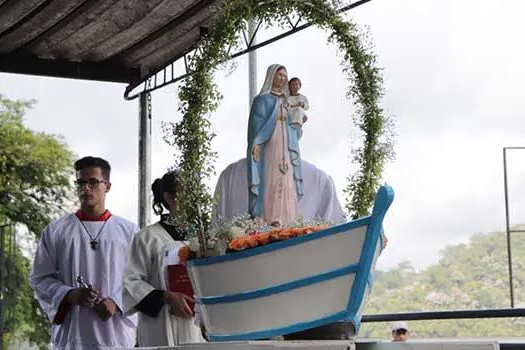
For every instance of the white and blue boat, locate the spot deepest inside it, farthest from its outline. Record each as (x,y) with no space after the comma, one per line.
(292,285)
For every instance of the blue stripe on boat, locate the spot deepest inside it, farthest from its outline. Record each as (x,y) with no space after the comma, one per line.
(281,330)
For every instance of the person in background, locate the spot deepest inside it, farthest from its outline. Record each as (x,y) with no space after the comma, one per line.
(400,332)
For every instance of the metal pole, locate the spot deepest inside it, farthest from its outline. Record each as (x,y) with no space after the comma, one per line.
(445,315)
(144,158)
(2,258)
(252,64)
(507,225)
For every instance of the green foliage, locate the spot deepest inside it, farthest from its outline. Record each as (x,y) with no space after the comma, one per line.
(35,170)
(468,276)
(35,187)
(23,318)
(199,97)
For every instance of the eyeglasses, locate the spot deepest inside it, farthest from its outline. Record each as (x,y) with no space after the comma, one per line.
(401,331)
(93,182)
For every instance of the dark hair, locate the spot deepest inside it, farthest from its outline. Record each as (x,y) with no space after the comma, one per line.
(295,78)
(170,183)
(88,162)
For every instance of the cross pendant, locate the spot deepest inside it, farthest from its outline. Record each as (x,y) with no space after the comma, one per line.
(93,244)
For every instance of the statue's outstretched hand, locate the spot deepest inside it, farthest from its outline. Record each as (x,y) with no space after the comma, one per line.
(256,152)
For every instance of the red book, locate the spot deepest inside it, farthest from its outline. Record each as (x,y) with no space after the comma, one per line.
(179,281)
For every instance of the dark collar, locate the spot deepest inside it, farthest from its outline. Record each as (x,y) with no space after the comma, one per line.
(177,232)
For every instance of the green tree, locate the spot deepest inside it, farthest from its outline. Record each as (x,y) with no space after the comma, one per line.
(35,170)
(35,187)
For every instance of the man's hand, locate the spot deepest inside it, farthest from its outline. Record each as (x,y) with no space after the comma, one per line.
(85,297)
(105,309)
(178,304)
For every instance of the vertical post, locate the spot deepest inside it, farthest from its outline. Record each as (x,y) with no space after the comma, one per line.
(2,258)
(144,158)
(507,226)
(252,64)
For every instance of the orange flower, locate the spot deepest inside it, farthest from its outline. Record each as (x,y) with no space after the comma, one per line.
(252,241)
(287,233)
(297,231)
(275,235)
(263,238)
(255,238)
(238,243)
(184,254)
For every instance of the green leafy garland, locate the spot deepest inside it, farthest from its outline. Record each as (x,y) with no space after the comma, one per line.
(199,97)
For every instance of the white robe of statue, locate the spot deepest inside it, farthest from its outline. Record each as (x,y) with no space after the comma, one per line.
(146,271)
(319,199)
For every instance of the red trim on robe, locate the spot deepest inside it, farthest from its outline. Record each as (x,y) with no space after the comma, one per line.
(63,310)
(85,217)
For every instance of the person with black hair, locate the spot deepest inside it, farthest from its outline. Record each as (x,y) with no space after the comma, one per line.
(165,318)
(78,268)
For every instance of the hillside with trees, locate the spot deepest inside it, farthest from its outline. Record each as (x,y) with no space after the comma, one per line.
(468,276)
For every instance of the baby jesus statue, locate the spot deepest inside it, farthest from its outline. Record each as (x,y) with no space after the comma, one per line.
(298,104)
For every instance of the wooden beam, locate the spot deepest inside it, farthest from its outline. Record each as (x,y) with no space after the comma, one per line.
(101,71)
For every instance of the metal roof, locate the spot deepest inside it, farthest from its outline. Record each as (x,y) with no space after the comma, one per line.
(106,40)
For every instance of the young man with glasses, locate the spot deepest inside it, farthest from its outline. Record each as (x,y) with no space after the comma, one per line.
(400,332)
(78,269)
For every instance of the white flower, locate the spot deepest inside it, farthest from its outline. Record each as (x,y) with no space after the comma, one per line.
(236,231)
(193,244)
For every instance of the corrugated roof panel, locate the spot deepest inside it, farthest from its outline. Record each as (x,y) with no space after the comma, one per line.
(14,11)
(177,35)
(123,15)
(157,18)
(103,39)
(46,45)
(38,24)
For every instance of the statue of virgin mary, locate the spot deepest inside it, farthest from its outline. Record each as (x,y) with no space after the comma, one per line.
(274,164)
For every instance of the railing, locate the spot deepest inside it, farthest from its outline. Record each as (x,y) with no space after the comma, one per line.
(445,315)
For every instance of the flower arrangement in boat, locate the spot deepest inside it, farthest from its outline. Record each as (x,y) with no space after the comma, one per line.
(244,232)
(255,239)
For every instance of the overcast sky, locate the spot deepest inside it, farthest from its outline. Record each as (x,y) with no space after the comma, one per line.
(453,74)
